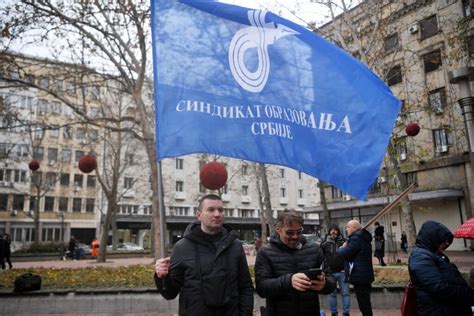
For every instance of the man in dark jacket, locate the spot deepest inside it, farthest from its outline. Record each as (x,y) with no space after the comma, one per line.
(357,253)
(333,241)
(280,267)
(379,238)
(440,287)
(208,266)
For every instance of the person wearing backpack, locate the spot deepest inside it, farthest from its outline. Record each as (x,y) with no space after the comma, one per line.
(333,241)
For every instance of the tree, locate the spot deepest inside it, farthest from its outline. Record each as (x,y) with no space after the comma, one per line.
(113,38)
(380,34)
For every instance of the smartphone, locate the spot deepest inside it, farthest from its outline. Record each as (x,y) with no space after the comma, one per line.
(313,274)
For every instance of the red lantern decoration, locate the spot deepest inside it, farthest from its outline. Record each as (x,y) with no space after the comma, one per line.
(87,163)
(34,165)
(213,175)
(412,129)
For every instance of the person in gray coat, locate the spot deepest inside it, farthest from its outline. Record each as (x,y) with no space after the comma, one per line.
(208,267)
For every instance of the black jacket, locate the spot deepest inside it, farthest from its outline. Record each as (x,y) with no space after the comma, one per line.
(183,276)
(358,254)
(274,266)
(333,259)
(440,288)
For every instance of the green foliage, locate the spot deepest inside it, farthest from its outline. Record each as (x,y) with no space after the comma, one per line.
(139,276)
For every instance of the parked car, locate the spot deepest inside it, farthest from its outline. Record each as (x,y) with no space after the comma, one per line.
(84,249)
(127,246)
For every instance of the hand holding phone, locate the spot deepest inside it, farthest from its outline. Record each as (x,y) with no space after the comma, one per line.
(313,274)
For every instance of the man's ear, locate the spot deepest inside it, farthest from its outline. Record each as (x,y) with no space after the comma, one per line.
(198,215)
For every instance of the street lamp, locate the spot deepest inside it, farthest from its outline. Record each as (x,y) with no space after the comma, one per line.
(463,76)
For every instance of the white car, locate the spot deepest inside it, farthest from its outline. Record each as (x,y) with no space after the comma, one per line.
(129,246)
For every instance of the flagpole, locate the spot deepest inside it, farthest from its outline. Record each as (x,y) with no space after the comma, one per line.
(162,212)
(390,206)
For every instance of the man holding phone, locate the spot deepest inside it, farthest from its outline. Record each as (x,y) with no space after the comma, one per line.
(290,272)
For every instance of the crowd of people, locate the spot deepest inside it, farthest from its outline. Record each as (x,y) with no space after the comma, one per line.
(5,252)
(208,268)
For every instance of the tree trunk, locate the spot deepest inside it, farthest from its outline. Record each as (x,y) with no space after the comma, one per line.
(266,199)
(105,232)
(327,217)
(263,217)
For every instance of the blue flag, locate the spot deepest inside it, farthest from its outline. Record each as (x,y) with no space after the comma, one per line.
(249,84)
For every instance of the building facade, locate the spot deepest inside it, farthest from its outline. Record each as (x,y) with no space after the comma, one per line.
(413,45)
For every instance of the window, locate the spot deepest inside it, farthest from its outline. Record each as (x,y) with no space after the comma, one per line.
(401,148)
(50,178)
(63,204)
(44,82)
(429,26)
(64,181)
(58,85)
(179,164)
(77,205)
(90,205)
(180,210)
(42,106)
(179,187)
(51,234)
(93,135)
(282,173)
(52,154)
(78,180)
(68,112)
(55,107)
(80,133)
(282,192)
(3,202)
(336,193)
(228,212)
(467,8)
(49,204)
(470,46)
(244,170)
(411,178)
(300,193)
(70,87)
(91,181)
(54,131)
(390,43)
(66,155)
(128,182)
(245,190)
(394,75)
(437,99)
(3,150)
(18,202)
(67,132)
(440,137)
(93,112)
(224,189)
(432,61)
(246,213)
(79,154)
(33,203)
(38,133)
(36,178)
(95,92)
(38,153)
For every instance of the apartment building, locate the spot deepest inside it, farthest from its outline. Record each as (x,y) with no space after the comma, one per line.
(413,45)
(57,119)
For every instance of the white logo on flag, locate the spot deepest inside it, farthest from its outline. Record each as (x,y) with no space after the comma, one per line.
(258,36)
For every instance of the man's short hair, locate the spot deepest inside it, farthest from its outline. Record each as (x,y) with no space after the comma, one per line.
(214,197)
(289,217)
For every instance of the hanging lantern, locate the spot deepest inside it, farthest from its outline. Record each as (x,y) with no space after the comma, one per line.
(87,163)
(412,129)
(213,175)
(34,165)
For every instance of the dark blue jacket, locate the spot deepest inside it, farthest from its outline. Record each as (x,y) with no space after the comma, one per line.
(440,288)
(358,254)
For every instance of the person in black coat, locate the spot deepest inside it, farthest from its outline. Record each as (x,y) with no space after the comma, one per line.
(280,267)
(440,287)
(208,267)
(379,238)
(404,242)
(2,253)
(357,253)
(8,251)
